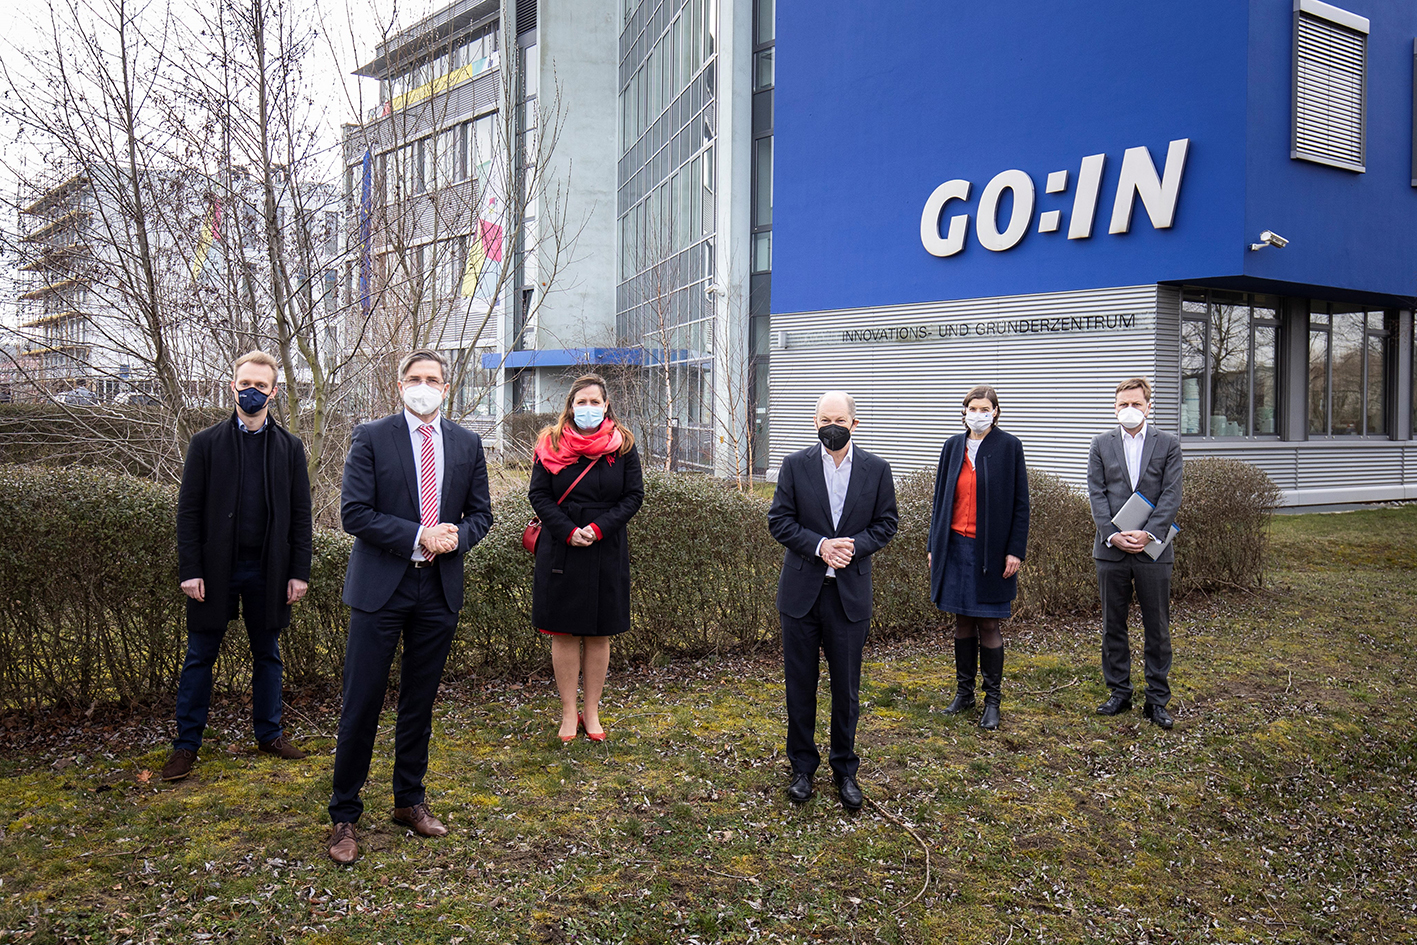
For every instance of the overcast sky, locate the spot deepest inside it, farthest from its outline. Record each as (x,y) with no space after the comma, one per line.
(353,28)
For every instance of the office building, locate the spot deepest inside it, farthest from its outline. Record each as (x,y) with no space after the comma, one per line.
(1219,195)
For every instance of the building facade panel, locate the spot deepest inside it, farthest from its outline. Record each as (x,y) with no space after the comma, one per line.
(1054,359)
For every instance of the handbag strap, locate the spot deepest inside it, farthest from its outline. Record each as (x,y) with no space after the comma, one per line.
(577,482)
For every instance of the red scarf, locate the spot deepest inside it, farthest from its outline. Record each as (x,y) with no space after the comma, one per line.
(575,445)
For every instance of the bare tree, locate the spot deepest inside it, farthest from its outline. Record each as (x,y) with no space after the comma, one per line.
(87,101)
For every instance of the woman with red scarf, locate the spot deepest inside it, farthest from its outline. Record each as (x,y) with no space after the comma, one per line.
(586,485)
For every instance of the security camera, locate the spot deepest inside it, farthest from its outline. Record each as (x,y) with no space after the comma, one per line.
(1270,238)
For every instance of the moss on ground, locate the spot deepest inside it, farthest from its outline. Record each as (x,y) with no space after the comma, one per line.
(1282,808)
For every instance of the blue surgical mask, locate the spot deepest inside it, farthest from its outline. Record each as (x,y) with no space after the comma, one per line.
(588,417)
(251,400)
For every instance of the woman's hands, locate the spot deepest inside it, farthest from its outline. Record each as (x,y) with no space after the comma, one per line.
(583,537)
(1011,565)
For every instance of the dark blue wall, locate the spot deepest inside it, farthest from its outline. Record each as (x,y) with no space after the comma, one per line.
(878,103)
(1347,230)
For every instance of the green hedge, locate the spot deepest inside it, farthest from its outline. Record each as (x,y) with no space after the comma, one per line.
(92,611)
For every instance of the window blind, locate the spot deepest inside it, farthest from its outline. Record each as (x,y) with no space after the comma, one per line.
(1330,86)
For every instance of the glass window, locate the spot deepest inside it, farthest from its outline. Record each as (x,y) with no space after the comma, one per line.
(1193,326)
(1375,373)
(1348,370)
(696,36)
(762,182)
(762,252)
(762,70)
(1229,367)
(1229,364)
(484,131)
(1318,373)
(766,21)
(681,54)
(531,65)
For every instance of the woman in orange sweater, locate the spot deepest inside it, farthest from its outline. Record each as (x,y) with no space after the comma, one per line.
(978,538)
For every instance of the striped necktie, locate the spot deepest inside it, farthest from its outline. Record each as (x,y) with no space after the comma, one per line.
(428,480)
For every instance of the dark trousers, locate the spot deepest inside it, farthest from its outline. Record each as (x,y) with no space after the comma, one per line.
(1150,581)
(247,596)
(827,629)
(419,614)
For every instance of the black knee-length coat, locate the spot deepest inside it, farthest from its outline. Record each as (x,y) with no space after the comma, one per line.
(585,591)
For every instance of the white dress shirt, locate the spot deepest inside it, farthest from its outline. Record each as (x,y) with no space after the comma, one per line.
(838,478)
(1132,447)
(416,440)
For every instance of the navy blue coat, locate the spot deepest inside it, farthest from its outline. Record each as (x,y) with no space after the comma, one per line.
(800,517)
(379,507)
(1001,513)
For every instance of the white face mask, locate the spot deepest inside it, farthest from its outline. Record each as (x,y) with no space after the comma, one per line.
(422,399)
(979,422)
(1130,417)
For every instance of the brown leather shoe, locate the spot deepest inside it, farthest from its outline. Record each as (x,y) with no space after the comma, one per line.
(344,844)
(281,749)
(421,819)
(179,764)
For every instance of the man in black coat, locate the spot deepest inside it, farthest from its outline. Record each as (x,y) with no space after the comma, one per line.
(1134,456)
(243,545)
(833,508)
(415,499)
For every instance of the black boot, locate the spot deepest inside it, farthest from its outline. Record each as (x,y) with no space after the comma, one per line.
(966,659)
(991,667)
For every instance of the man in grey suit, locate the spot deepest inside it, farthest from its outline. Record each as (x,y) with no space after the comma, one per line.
(1133,457)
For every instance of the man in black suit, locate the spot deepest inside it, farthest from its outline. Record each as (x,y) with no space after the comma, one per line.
(243,546)
(1134,456)
(415,499)
(833,508)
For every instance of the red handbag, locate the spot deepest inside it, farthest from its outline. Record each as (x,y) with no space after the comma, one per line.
(533,528)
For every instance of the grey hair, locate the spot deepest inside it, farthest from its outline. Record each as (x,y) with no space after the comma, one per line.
(423,354)
(850,401)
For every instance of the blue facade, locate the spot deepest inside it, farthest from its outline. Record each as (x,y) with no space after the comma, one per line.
(878,104)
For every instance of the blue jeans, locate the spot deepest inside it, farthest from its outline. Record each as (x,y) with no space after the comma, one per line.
(194,691)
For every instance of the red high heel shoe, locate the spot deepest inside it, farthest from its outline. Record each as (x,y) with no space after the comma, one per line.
(580,724)
(593,736)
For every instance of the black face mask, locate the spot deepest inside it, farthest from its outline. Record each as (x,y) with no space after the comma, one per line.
(834,436)
(251,400)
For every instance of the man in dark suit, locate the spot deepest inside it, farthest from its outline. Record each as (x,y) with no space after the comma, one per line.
(243,546)
(833,508)
(415,499)
(1133,457)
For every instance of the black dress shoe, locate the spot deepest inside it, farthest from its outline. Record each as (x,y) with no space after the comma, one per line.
(1115,705)
(800,790)
(849,793)
(1159,715)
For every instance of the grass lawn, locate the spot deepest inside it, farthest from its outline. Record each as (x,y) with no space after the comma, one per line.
(1282,807)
